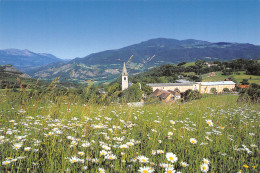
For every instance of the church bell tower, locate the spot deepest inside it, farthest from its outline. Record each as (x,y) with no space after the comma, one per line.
(124,78)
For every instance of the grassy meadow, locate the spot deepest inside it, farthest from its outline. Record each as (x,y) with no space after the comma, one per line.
(43,133)
(238,78)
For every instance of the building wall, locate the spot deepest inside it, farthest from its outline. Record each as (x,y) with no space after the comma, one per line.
(196,87)
(206,89)
(199,87)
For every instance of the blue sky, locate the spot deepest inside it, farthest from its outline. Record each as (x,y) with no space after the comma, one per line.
(70,29)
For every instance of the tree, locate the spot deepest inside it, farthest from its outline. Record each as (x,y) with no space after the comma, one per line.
(250,94)
(182,63)
(253,69)
(146,89)
(189,95)
(226,90)
(244,82)
(132,94)
(199,65)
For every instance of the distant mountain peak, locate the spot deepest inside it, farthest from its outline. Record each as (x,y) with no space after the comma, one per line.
(107,65)
(26,58)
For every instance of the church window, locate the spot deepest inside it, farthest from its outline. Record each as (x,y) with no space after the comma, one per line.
(124,78)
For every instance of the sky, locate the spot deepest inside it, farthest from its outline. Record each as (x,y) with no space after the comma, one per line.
(77,28)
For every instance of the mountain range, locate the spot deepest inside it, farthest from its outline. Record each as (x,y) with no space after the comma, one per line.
(25,58)
(106,65)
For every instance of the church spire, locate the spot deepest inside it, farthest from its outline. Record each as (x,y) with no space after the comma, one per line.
(124,72)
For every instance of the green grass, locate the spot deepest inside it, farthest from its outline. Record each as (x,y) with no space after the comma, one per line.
(189,64)
(50,125)
(238,78)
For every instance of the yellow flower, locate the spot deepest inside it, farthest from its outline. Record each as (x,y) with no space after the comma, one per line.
(245,166)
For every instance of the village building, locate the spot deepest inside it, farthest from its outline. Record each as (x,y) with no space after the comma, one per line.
(181,86)
(210,64)
(202,87)
(206,87)
(171,91)
(167,96)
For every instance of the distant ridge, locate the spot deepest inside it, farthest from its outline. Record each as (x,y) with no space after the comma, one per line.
(25,58)
(12,71)
(174,51)
(107,65)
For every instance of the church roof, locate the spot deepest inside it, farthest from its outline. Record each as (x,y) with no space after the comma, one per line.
(124,72)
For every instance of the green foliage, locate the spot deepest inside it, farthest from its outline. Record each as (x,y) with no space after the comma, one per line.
(146,89)
(182,63)
(226,90)
(213,91)
(254,68)
(132,94)
(200,65)
(189,95)
(251,94)
(244,82)
(227,71)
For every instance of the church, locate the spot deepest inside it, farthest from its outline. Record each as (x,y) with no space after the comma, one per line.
(124,78)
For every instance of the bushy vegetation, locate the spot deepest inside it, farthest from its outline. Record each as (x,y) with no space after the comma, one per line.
(170,73)
(189,95)
(251,94)
(61,131)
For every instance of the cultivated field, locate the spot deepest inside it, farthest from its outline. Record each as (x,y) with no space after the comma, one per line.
(42,133)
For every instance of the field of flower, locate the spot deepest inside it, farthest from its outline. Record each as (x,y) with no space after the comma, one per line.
(64,134)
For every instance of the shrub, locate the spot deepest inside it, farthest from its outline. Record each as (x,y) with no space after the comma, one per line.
(177,90)
(213,90)
(226,90)
(189,95)
(250,94)
(244,82)
(132,94)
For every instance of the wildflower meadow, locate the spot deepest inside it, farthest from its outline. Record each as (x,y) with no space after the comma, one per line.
(42,133)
